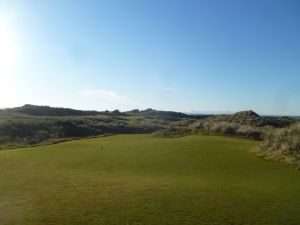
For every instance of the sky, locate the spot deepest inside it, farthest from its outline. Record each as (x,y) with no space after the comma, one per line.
(187,55)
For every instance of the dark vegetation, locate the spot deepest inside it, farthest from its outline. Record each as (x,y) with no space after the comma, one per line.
(32,125)
(32,131)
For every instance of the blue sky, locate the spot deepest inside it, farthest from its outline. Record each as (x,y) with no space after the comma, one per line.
(173,55)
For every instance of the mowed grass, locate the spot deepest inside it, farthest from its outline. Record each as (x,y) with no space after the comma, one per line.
(141,179)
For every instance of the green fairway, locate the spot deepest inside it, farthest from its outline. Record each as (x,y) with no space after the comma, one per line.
(141,179)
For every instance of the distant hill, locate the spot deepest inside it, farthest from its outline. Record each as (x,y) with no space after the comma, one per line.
(244,117)
(248,118)
(32,124)
(153,112)
(169,115)
(252,119)
(35,110)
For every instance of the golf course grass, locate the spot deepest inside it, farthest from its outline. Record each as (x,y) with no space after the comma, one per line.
(141,179)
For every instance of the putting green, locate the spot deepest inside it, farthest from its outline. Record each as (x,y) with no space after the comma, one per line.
(141,179)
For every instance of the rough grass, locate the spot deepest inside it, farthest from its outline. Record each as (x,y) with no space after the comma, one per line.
(140,179)
(282,145)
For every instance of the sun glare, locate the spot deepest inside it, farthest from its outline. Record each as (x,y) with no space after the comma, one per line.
(7,55)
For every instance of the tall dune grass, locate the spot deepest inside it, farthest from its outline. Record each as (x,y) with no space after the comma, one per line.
(282,144)
(227,128)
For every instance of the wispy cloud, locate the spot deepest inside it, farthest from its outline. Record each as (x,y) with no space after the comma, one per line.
(109,99)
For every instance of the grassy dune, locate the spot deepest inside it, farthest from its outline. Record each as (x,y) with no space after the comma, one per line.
(141,179)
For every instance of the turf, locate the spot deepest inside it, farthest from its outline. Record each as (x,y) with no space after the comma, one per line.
(141,179)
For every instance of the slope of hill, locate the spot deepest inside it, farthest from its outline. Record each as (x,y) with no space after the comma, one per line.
(244,117)
(251,118)
(167,115)
(35,110)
